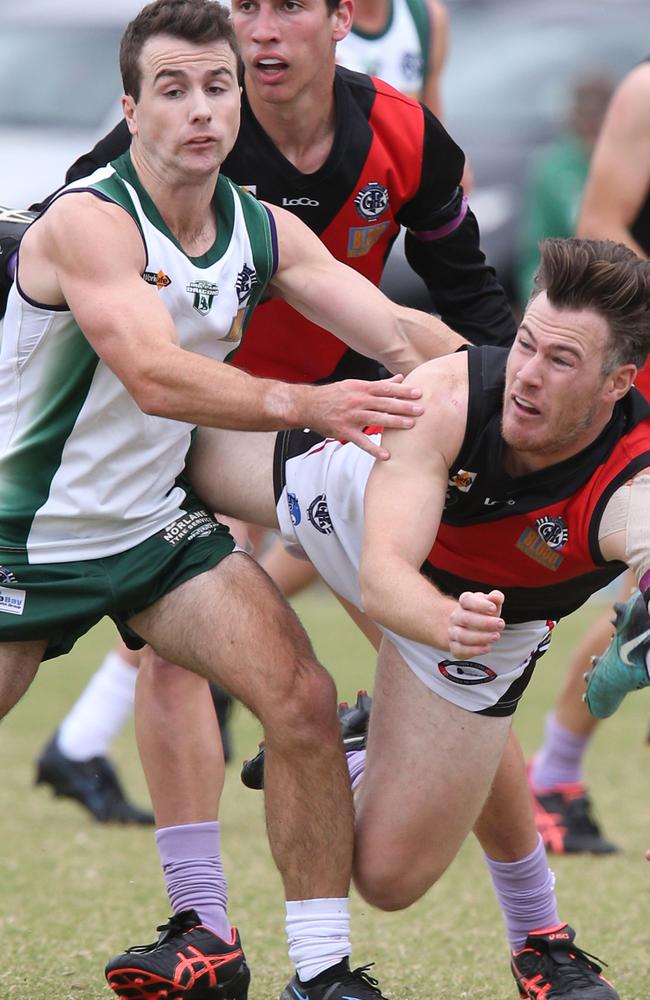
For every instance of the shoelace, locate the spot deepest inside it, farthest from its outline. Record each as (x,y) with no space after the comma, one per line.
(362,974)
(177,924)
(573,971)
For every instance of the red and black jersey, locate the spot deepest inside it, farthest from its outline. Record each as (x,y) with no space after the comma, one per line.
(392,164)
(534,537)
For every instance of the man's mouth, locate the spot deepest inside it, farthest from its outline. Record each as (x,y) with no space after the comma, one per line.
(524,406)
(270,64)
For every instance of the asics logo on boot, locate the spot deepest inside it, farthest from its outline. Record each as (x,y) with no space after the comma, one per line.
(629,646)
(299,995)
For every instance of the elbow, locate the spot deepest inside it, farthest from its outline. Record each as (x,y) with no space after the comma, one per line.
(147,394)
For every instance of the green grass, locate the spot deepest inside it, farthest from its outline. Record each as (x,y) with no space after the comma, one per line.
(73,893)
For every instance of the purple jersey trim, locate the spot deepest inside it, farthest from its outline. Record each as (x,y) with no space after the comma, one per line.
(437,234)
(644,585)
(102,197)
(274,241)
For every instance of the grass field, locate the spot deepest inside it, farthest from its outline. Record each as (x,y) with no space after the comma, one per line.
(73,893)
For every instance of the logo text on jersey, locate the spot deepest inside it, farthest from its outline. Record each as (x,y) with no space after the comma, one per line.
(531,544)
(157,278)
(372,200)
(361,239)
(204,293)
(7,575)
(194,524)
(466,672)
(299,203)
(12,602)
(319,515)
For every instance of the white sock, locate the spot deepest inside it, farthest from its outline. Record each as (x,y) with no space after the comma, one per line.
(100,711)
(318,931)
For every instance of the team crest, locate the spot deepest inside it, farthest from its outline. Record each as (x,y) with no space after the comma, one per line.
(553,530)
(372,200)
(204,294)
(319,515)
(361,239)
(533,545)
(412,66)
(159,279)
(244,283)
(7,575)
(466,672)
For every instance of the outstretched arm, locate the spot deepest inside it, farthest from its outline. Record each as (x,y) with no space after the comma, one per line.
(344,302)
(403,506)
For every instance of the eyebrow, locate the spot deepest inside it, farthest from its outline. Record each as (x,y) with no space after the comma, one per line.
(177,74)
(555,347)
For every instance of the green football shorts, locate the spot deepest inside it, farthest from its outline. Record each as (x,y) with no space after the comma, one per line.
(61,601)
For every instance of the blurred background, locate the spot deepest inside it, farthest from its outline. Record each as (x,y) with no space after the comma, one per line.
(509,91)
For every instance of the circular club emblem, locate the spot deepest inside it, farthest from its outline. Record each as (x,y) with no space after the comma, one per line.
(553,531)
(319,515)
(466,672)
(371,201)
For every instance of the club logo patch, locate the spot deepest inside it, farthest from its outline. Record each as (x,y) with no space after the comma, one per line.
(204,293)
(319,515)
(244,284)
(159,279)
(361,239)
(466,672)
(12,602)
(371,201)
(295,512)
(532,545)
(412,66)
(7,575)
(553,530)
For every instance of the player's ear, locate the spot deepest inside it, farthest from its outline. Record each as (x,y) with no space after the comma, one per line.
(620,381)
(343,15)
(128,109)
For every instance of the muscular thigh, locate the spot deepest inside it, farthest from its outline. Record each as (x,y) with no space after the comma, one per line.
(231,625)
(429,768)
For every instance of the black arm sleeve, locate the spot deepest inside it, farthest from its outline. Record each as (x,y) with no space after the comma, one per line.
(463,288)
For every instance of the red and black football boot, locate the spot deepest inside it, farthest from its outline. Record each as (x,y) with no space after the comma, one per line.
(550,966)
(187,962)
(353,720)
(565,821)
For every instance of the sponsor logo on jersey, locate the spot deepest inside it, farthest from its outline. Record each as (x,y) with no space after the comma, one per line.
(244,283)
(532,545)
(466,672)
(372,200)
(12,602)
(319,515)
(361,239)
(194,524)
(295,512)
(489,502)
(7,575)
(204,293)
(553,530)
(158,278)
(250,188)
(462,480)
(299,203)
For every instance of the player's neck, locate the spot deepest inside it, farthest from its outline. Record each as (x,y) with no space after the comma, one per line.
(370,16)
(302,128)
(184,208)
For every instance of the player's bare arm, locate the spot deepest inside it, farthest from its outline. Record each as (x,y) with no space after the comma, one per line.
(348,305)
(619,175)
(403,506)
(89,254)
(624,532)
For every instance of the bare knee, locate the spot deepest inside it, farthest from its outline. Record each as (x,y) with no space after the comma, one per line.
(299,711)
(390,886)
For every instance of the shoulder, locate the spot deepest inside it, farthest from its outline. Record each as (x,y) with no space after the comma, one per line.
(375,95)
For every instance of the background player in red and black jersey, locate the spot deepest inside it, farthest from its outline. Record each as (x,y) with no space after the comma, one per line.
(616,206)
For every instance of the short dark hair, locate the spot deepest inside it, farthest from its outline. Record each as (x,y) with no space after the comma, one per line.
(194,20)
(332,5)
(607,277)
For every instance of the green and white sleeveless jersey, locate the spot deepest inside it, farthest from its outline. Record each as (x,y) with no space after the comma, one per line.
(84,473)
(399,53)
